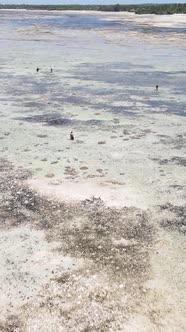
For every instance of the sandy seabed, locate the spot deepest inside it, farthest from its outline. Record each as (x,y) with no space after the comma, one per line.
(92,231)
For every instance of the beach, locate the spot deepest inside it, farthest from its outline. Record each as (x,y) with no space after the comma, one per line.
(92,230)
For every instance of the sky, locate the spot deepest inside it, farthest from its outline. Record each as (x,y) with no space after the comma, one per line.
(85,2)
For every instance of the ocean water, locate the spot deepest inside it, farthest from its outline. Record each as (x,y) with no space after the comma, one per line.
(105,68)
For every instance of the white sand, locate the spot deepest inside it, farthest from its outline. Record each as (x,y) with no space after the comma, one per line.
(115,195)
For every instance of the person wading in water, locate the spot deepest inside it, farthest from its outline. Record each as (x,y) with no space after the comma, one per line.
(71,136)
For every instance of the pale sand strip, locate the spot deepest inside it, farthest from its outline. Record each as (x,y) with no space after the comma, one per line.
(112,195)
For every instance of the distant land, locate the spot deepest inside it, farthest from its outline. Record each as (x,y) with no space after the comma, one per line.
(159,9)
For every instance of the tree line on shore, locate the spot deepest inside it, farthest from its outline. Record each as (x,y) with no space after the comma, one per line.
(158,9)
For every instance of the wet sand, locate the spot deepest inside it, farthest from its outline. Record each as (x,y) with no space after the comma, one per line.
(84,264)
(92,231)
